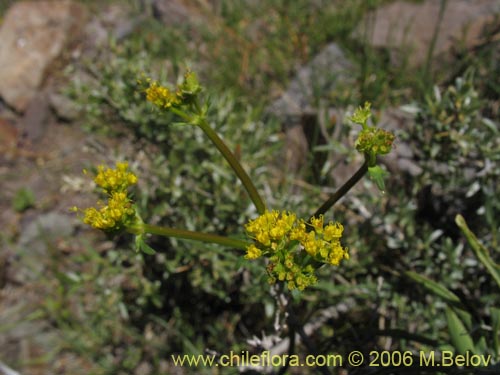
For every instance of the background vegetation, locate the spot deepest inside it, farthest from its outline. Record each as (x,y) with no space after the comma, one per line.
(120,309)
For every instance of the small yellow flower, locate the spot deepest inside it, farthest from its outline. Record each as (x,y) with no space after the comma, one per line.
(118,179)
(333,231)
(115,215)
(98,218)
(310,244)
(277,233)
(161,96)
(119,211)
(317,223)
(253,252)
(299,232)
(263,238)
(272,225)
(336,254)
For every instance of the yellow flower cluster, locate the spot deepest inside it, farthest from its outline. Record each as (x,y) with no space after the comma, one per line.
(277,234)
(269,228)
(165,98)
(111,180)
(273,229)
(119,211)
(112,216)
(162,97)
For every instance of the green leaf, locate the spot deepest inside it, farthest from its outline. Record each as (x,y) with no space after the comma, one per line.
(377,175)
(434,287)
(481,252)
(481,345)
(441,291)
(146,249)
(459,336)
(141,245)
(495,318)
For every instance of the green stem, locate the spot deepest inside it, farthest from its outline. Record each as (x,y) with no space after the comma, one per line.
(432,46)
(181,114)
(235,164)
(342,190)
(191,235)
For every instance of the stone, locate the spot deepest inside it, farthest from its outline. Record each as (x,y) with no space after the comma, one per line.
(326,71)
(410,27)
(113,21)
(37,236)
(64,108)
(36,118)
(175,13)
(33,34)
(297,108)
(52,225)
(296,149)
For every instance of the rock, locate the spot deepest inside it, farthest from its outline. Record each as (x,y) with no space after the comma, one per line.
(329,69)
(64,108)
(113,21)
(44,227)
(36,118)
(296,149)
(410,27)
(175,13)
(37,236)
(33,34)
(296,109)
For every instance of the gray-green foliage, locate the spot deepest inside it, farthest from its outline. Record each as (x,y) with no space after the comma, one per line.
(196,296)
(459,150)
(185,183)
(457,147)
(412,228)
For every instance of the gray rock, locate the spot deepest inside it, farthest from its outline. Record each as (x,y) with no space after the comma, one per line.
(175,13)
(114,21)
(319,77)
(33,34)
(45,227)
(37,236)
(64,108)
(296,149)
(409,27)
(36,118)
(297,108)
